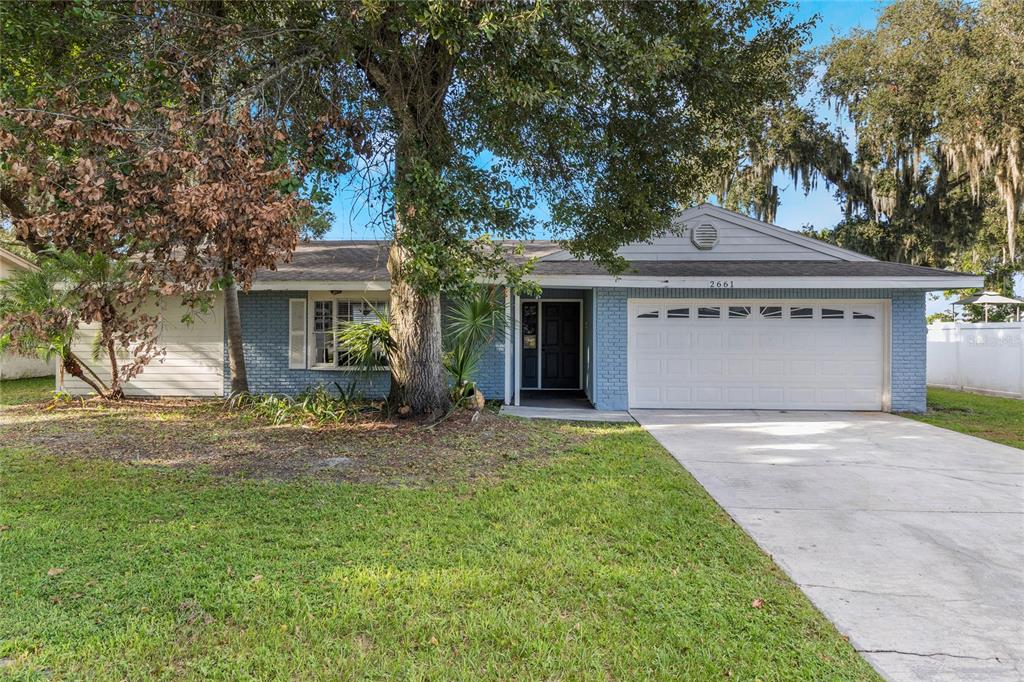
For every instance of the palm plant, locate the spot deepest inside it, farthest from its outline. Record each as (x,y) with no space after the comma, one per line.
(472,324)
(367,344)
(38,318)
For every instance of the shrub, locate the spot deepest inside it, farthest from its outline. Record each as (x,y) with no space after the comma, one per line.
(316,405)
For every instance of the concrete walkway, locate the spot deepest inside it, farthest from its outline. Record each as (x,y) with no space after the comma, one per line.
(566,414)
(910,538)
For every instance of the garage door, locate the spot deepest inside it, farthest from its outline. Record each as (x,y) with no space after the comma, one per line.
(741,354)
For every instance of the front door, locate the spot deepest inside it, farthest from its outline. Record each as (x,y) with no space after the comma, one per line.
(560,344)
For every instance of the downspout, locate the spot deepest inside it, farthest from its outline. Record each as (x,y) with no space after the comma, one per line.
(508,347)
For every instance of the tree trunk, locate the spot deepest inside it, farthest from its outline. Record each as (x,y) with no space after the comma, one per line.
(71,364)
(236,353)
(417,371)
(115,392)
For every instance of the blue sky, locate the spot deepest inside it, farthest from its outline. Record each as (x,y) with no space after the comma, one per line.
(819,207)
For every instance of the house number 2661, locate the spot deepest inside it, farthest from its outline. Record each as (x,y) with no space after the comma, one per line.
(720,283)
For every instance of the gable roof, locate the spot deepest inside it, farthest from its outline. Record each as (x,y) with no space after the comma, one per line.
(361,260)
(742,238)
(752,252)
(781,233)
(15,260)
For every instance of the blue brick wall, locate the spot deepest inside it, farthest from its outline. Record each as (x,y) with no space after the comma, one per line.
(265,332)
(909,342)
(265,342)
(909,351)
(490,378)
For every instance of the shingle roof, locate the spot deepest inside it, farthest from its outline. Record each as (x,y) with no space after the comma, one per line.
(351,261)
(339,261)
(745,268)
(357,261)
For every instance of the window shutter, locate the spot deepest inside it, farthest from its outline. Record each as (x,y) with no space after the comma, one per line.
(296,333)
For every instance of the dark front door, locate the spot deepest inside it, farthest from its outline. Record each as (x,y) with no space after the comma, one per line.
(560,344)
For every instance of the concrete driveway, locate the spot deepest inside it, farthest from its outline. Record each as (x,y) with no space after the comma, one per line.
(910,538)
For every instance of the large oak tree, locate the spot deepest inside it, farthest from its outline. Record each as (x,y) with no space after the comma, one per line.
(460,119)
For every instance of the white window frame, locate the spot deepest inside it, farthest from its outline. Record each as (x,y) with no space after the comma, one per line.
(354,298)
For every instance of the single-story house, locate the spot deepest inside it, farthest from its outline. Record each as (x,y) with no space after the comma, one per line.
(18,366)
(723,311)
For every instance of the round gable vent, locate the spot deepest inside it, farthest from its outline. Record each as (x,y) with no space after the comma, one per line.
(704,236)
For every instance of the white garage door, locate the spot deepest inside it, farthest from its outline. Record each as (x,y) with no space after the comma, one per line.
(740,354)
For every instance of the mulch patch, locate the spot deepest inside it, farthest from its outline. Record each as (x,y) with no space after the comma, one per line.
(181,433)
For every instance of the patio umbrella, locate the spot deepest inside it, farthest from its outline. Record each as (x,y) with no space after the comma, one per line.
(987,298)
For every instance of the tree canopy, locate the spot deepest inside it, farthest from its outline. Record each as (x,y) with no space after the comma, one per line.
(936,96)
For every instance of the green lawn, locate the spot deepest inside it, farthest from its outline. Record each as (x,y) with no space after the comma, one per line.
(19,391)
(602,560)
(996,419)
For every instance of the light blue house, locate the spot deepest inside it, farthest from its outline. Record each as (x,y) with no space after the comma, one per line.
(722,312)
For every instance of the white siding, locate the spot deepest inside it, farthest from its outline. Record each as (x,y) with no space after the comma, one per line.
(193,365)
(739,238)
(734,243)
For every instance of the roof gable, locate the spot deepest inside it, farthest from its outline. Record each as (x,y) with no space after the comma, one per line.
(726,235)
(12,262)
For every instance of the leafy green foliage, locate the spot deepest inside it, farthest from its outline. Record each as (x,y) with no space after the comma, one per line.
(935,98)
(316,406)
(368,345)
(472,323)
(36,313)
(458,120)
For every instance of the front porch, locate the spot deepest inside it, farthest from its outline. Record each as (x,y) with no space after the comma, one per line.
(562,404)
(549,350)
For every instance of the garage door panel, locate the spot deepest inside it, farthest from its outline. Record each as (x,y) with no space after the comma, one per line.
(756,354)
(708,368)
(648,366)
(679,395)
(770,368)
(771,341)
(648,340)
(707,395)
(801,368)
(677,340)
(833,368)
(742,367)
(739,394)
(677,368)
(770,395)
(739,341)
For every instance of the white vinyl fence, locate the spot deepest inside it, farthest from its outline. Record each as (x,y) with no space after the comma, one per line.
(987,357)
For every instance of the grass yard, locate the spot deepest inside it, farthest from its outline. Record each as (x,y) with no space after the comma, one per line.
(21,391)
(566,552)
(989,417)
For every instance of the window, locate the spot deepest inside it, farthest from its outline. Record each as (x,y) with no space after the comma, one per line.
(709,313)
(328,315)
(739,312)
(771,312)
(648,314)
(797,313)
(832,313)
(323,341)
(862,316)
(678,313)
